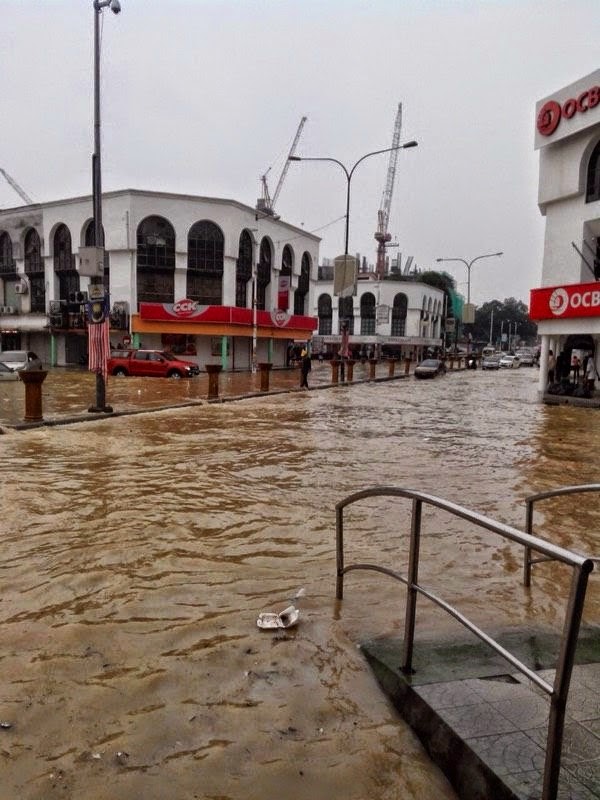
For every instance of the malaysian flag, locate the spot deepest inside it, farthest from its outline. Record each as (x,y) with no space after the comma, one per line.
(99,346)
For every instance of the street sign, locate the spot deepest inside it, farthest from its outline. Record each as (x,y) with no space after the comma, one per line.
(383,314)
(468,314)
(344,276)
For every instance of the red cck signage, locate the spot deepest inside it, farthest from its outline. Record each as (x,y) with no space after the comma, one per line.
(565,302)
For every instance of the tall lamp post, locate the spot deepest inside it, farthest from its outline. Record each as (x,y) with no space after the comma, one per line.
(349,173)
(468,265)
(115,7)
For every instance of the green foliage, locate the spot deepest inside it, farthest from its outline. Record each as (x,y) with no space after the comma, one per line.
(505,315)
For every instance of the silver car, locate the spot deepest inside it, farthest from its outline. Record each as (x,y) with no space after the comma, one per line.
(20,359)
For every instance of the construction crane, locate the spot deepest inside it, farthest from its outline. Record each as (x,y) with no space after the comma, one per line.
(382,235)
(266,204)
(17,188)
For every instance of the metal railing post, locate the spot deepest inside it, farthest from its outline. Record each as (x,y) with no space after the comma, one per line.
(413,579)
(562,679)
(527,559)
(339,551)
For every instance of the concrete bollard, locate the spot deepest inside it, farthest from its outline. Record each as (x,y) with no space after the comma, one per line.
(213,380)
(350,373)
(265,369)
(335,371)
(372,365)
(33,380)
(406,366)
(391,367)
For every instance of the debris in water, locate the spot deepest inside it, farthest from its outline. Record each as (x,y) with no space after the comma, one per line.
(285,619)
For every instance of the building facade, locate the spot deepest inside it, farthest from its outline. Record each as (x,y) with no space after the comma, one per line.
(566,306)
(394,317)
(209,278)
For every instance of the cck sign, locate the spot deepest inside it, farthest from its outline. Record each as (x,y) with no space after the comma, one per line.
(565,302)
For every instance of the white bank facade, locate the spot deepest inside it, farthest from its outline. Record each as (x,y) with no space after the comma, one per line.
(566,306)
(207,278)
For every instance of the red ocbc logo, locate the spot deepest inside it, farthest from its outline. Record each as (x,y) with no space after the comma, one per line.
(551,113)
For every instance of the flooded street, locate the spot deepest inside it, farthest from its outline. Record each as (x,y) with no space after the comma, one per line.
(138,551)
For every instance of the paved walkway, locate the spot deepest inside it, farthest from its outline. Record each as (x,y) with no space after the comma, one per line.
(486,727)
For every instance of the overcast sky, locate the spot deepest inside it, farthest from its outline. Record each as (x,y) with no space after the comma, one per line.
(203,96)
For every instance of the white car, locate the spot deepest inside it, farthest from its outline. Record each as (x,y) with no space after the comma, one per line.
(8,374)
(508,361)
(20,359)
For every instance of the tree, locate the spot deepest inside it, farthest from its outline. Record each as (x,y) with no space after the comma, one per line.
(510,317)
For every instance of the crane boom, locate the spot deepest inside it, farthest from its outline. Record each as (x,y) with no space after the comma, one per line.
(17,188)
(266,204)
(287,161)
(383,215)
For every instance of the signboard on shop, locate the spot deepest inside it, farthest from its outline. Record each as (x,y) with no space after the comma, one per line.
(568,111)
(565,302)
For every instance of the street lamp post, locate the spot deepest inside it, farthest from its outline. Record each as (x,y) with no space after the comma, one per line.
(349,173)
(115,7)
(468,265)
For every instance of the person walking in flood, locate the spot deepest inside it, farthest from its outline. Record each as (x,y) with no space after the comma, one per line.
(305,367)
(551,366)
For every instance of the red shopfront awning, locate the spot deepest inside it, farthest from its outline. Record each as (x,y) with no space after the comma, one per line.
(191,317)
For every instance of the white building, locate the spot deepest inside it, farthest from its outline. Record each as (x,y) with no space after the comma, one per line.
(180,271)
(567,305)
(389,316)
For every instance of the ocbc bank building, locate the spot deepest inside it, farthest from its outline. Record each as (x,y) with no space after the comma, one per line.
(567,305)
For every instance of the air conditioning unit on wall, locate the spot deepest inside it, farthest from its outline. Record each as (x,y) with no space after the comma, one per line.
(8,309)
(21,287)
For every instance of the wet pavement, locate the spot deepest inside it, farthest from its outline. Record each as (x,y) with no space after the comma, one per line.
(485,725)
(138,551)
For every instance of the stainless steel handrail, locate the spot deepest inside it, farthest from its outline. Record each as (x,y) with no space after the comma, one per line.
(581,567)
(528,561)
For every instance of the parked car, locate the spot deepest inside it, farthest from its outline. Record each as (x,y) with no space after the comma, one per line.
(430,368)
(509,361)
(8,374)
(490,362)
(150,363)
(20,359)
(526,358)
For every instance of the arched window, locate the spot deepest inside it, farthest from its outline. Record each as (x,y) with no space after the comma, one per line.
(285,279)
(64,263)
(301,292)
(593,176)
(325,313)
(399,311)
(346,313)
(206,245)
(34,269)
(90,241)
(263,274)
(155,261)
(7,265)
(367,314)
(243,269)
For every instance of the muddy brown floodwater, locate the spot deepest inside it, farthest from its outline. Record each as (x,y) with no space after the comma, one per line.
(137,552)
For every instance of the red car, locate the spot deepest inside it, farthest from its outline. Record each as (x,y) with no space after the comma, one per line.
(150,363)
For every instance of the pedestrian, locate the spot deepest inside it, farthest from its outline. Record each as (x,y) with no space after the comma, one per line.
(590,373)
(551,366)
(305,367)
(575,368)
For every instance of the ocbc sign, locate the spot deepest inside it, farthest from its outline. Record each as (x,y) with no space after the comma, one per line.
(551,113)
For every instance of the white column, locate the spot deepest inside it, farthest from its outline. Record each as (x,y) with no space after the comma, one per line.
(543,377)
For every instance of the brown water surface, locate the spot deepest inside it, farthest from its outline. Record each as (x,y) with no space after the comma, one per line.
(137,552)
